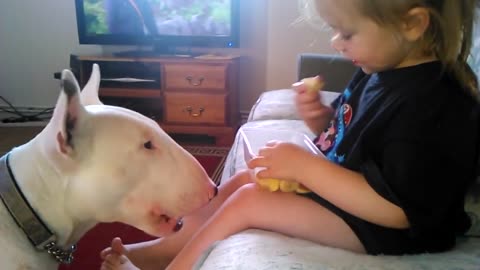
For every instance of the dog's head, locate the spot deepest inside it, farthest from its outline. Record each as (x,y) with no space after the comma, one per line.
(119,165)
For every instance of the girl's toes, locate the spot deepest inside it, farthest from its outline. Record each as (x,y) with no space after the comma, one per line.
(112,260)
(118,247)
(105,252)
(117,262)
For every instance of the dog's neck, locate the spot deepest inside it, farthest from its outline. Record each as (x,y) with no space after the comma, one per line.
(34,171)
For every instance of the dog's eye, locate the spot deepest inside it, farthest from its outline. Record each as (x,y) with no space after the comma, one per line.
(148,145)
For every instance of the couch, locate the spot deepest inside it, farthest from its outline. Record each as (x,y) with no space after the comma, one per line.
(257,249)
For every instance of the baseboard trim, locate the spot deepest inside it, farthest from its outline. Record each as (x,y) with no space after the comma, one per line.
(27,110)
(25,124)
(24,109)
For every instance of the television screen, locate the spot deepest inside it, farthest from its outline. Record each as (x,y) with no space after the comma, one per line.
(180,22)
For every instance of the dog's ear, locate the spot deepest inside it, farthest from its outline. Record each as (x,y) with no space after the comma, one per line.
(89,94)
(68,112)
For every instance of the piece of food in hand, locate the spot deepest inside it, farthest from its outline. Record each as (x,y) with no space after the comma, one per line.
(314,84)
(288,186)
(269,184)
(272,185)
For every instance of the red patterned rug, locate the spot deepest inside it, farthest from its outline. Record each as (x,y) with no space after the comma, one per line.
(89,247)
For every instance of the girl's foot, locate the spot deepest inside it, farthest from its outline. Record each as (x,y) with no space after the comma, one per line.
(114,257)
(117,262)
(115,247)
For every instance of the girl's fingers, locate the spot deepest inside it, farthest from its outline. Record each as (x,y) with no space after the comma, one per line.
(263,174)
(105,252)
(258,161)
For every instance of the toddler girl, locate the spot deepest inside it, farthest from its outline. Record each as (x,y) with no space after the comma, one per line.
(403,152)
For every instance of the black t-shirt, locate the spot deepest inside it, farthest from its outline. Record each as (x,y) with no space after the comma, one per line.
(413,133)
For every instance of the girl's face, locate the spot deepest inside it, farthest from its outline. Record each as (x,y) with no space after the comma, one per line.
(371,47)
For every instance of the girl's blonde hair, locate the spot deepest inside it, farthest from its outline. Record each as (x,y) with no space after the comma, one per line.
(449,35)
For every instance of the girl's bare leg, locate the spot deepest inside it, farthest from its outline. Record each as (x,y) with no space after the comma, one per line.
(286,213)
(158,253)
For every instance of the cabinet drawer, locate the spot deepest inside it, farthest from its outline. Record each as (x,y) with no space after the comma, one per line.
(195,108)
(195,76)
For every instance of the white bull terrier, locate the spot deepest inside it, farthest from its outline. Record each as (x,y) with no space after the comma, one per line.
(92,163)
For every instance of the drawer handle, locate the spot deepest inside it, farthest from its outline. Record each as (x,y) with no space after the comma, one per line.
(192,114)
(194,82)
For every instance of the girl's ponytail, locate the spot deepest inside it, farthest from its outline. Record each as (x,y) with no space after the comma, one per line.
(456,22)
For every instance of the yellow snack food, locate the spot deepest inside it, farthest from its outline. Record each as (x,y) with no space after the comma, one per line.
(269,184)
(314,84)
(272,185)
(288,186)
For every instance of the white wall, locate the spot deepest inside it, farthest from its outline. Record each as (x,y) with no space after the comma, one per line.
(36,38)
(286,39)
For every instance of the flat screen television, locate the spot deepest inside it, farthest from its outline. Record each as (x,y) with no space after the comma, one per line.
(164,24)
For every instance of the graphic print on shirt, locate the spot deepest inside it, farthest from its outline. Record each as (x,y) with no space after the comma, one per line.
(331,137)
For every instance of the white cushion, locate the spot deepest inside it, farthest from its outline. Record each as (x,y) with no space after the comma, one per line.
(280,104)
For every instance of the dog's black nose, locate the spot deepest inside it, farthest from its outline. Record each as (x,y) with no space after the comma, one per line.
(178,225)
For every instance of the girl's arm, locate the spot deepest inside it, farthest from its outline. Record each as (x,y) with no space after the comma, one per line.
(319,122)
(350,191)
(342,187)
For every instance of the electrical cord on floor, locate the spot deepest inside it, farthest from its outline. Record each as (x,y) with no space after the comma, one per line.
(21,117)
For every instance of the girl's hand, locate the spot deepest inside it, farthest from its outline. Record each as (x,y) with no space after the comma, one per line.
(281,160)
(310,107)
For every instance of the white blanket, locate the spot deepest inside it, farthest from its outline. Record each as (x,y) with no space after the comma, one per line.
(256,249)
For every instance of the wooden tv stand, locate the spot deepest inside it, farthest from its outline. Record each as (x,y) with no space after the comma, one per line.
(185,95)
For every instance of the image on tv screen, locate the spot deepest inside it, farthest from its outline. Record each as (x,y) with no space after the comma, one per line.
(158,17)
